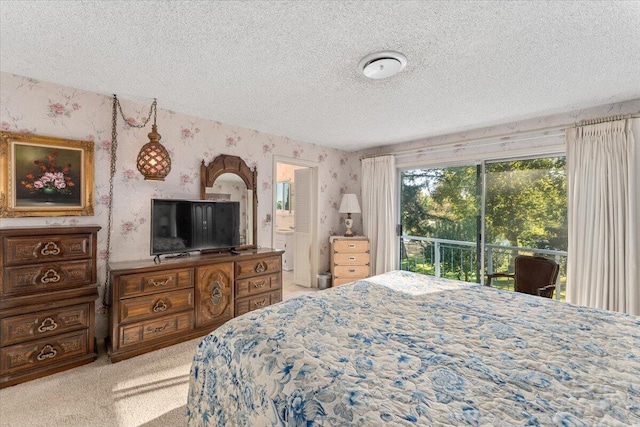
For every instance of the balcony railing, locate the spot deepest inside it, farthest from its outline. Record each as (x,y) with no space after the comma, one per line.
(455,259)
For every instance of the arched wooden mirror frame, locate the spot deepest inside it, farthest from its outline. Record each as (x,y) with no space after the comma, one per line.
(232,164)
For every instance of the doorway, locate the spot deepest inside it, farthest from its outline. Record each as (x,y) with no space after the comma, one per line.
(295,224)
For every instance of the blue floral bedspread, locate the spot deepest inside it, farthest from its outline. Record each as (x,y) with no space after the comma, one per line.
(403,349)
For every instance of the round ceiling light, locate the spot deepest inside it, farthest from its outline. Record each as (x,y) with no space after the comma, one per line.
(381,65)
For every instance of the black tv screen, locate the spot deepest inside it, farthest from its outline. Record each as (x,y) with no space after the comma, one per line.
(179,226)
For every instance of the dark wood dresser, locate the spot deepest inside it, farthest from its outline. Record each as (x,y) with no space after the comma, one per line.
(158,305)
(47,294)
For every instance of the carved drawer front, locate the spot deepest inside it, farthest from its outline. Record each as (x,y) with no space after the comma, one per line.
(32,279)
(155,305)
(214,294)
(350,245)
(150,330)
(252,268)
(21,250)
(351,258)
(139,284)
(30,326)
(246,305)
(43,352)
(353,272)
(257,285)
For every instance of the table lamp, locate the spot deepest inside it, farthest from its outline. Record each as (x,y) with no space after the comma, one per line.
(349,205)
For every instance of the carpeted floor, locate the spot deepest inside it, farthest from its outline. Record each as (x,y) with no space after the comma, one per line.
(148,390)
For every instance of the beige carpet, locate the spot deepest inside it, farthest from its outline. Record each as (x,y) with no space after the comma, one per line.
(147,390)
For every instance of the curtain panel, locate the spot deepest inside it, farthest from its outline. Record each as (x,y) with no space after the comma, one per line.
(379,211)
(602,267)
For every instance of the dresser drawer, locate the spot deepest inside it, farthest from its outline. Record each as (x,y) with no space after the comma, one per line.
(257,285)
(252,268)
(38,325)
(353,272)
(140,332)
(23,250)
(246,305)
(338,282)
(350,246)
(351,259)
(154,305)
(139,284)
(43,352)
(49,277)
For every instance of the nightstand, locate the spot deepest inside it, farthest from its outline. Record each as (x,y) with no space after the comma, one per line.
(349,259)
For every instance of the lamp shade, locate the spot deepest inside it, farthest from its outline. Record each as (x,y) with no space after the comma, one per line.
(154,162)
(349,204)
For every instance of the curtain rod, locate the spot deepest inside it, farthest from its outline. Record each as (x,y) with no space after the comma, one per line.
(511,137)
(604,120)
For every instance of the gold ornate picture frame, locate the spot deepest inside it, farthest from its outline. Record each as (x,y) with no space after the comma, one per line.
(45,176)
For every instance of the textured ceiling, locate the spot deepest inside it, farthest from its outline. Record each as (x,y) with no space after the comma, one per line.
(290,68)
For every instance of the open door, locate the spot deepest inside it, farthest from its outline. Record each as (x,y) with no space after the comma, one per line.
(304,212)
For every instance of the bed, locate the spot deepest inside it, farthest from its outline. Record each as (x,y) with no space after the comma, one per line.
(403,349)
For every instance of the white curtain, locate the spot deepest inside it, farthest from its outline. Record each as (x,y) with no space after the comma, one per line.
(379,206)
(602,267)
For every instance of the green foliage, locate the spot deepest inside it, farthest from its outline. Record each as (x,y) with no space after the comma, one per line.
(525,206)
(440,203)
(526,203)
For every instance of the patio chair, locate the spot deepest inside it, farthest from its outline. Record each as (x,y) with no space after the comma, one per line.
(533,275)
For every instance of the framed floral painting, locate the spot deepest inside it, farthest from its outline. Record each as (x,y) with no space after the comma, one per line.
(45,176)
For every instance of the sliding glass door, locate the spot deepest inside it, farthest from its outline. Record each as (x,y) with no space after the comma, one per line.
(525,213)
(519,205)
(440,221)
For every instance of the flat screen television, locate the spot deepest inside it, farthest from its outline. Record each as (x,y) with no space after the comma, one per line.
(183,226)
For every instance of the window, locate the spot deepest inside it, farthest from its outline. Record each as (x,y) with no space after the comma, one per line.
(283,192)
(522,210)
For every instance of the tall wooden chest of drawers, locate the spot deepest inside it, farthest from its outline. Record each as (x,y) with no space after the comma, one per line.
(157,305)
(47,297)
(349,259)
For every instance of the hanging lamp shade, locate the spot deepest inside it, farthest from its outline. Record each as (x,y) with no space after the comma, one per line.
(154,162)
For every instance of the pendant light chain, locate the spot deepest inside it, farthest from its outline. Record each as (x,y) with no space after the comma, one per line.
(153,109)
(112,171)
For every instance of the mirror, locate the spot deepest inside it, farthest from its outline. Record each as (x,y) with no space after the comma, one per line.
(228,178)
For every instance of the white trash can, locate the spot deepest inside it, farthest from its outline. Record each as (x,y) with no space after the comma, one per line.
(324,280)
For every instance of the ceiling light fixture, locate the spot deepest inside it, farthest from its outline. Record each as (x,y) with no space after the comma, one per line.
(381,65)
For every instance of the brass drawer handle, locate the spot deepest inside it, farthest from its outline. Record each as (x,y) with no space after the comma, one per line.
(158,329)
(259,285)
(47,325)
(260,303)
(50,249)
(161,283)
(352,245)
(159,306)
(216,293)
(47,352)
(352,258)
(261,267)
(351,271)
(51,276)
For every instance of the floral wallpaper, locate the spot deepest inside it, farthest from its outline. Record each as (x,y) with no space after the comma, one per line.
(42,108)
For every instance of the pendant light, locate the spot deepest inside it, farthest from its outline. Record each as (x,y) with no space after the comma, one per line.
(154,162)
